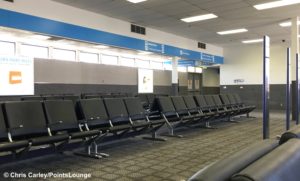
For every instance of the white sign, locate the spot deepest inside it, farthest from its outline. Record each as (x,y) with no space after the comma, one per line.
(145,81)
(16,76)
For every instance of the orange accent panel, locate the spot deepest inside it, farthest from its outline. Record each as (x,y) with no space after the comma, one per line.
(15,77)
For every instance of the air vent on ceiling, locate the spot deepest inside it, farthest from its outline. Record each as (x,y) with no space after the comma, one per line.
(9,1)
(138,29)
(201,45)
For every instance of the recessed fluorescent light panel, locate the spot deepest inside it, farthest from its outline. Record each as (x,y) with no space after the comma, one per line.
(199,18)
(242,30)
(136,1)
(252,41)
(287,24)
(275,4)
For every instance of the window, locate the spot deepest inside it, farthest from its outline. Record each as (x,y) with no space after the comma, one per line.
(167,66)
(199,70)
(109,59)
(34,51)
(157,65)
(181,69)
(191,69)
(125,61)
(142,63)
(7,48)
(62,54)
(88,57)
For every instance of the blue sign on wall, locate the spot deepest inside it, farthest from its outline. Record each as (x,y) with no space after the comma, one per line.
(55,28)
(207,57)
(154,47)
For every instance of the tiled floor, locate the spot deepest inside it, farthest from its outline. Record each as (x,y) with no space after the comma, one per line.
(138,159)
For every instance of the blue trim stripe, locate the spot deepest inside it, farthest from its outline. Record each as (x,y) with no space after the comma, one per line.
(31,23)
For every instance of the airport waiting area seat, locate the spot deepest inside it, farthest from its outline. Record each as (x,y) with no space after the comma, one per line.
(268,160)
(7,144)
(26,121)
(137,113)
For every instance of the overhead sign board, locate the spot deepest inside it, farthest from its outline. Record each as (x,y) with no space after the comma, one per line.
(154,47)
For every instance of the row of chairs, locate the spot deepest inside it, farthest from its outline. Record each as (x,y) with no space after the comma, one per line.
(187,110)
(26,124)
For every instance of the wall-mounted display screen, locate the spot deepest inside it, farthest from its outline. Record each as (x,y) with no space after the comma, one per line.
(16,76)
(145,78)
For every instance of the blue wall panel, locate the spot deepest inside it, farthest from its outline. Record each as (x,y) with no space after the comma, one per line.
(22,21)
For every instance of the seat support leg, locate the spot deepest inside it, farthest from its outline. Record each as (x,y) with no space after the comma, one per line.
(171,130)
(92,153)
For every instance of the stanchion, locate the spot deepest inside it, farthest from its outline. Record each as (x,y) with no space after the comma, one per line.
(288,89)
(266,87)
(297,89)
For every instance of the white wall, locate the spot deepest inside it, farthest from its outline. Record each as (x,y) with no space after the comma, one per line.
(64,13)
(245,62)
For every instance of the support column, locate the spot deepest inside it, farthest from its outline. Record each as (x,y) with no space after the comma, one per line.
(266,88)
(294,51)
(175,85)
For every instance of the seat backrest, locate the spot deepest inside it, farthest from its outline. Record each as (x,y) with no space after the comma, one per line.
(92,96)
(73,98)
(217,100)
(32,98)
(61,115)
(178,103)
(223,169)
(190,102)
(165,104)
(54,97)
(3,129)
(116,109)
(232,99)
(201,102)
(238,98)
(150,98)
(134,108)
(280,164)
(209,100)
(143,98)
(25,118)
(91,109)
(225,99)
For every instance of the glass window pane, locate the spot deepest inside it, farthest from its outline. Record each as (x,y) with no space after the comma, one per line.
(199,70)
(181,69)
(7,48)
(34,51)
(88,57)
(157,65)
(109,60)
(191,69)
(125,61)
(142,63)
(62,54)
(167,66)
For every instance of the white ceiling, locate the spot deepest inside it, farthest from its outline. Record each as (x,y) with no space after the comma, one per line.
(165,15)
